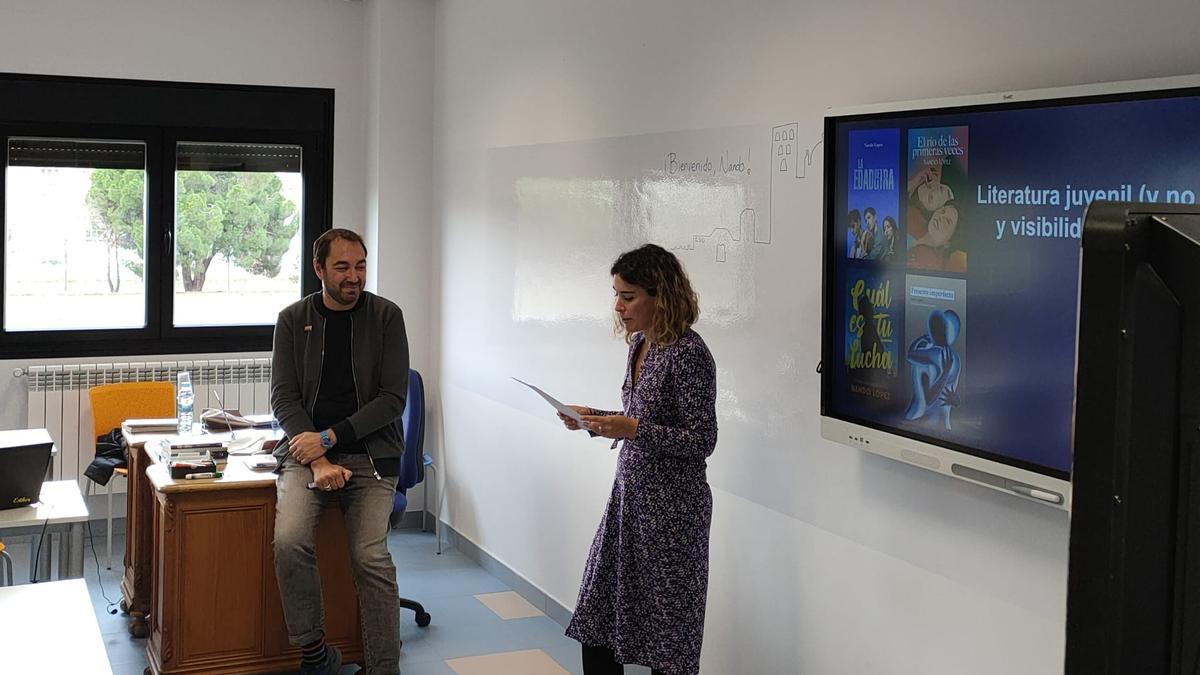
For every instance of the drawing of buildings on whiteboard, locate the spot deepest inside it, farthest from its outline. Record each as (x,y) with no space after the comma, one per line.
(721,237)
(788,163)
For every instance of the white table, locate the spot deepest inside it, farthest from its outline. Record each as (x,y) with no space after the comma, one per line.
(60,509)
(51,628)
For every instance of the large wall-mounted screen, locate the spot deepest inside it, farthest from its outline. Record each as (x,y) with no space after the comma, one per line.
(952,267)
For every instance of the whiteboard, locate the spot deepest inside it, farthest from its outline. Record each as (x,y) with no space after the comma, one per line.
(728,202)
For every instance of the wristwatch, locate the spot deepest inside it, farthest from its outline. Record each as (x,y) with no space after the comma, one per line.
(326,441)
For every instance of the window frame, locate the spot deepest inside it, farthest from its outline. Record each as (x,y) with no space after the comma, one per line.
(160,114)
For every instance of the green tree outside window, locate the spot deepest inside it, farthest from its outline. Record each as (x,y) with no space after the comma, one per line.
(243,216)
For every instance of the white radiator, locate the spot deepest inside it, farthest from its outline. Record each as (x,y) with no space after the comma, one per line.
(58,401)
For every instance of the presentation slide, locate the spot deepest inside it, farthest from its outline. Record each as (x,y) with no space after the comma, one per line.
(955,262)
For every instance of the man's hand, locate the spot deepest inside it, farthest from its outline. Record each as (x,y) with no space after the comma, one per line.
(329,476)
(306,446)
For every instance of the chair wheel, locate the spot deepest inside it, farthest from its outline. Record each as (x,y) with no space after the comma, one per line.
(423,619)
(124,606)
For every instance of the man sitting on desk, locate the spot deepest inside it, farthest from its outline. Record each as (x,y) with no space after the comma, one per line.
(338,381)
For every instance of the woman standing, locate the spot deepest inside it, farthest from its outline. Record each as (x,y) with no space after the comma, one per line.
(644,588)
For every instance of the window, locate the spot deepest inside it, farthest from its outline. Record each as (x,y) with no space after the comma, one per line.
(75,218)
(237,232)
(151,217)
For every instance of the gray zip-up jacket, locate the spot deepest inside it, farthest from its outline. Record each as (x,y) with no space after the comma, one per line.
(379,358)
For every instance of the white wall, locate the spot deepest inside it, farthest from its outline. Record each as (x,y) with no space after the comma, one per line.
(867,565)
(399,162)
(399,185)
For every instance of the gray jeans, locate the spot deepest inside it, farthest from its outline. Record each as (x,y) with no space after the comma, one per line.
(366,504)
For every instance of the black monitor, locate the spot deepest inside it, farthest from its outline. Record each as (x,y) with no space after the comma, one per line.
(951,267)
(1133,601)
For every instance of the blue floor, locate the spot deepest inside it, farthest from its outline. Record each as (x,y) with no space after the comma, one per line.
(446,584)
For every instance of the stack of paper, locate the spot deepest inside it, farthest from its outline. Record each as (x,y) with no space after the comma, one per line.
(195,443)
(162,425)
(214,418)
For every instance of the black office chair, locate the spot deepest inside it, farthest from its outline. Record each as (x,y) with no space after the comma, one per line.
(412,466)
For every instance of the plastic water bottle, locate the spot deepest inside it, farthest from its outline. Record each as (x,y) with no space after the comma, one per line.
(184,401)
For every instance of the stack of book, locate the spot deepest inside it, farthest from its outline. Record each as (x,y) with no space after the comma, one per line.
(193,446)
(195,469)
(187,455)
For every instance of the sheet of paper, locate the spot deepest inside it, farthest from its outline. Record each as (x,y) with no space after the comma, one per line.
(246,444)
(554,402)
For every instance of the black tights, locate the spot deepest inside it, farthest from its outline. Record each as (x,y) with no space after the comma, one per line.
(602,661)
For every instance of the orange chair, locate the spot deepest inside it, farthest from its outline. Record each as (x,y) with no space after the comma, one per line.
(112,404)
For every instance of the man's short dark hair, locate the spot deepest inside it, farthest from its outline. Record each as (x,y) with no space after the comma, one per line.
(323,242)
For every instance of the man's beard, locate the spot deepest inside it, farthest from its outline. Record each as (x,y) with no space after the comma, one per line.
(340,296)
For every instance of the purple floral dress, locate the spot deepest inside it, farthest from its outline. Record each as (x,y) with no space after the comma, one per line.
(646,579)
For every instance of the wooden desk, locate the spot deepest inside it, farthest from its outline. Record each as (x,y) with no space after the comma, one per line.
(139,535)
(139,531)
(213,599)
(35,620)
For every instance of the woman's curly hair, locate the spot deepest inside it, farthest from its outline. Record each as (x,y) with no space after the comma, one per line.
(657,270)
